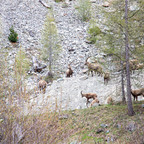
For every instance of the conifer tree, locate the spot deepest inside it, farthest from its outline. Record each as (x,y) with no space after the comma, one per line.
(51,48)
(13,36)
(129,100)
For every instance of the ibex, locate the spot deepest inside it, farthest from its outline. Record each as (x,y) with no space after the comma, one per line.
(137,93)
(109,100)
(94,67)
(94,101)
(132,64)
(139,66)
(89,96)
(42,84)
(69,71)
(106,77)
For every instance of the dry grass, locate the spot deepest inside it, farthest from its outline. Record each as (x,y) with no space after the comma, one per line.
(78,125)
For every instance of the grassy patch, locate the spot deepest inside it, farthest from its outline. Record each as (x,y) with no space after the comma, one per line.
(83,125)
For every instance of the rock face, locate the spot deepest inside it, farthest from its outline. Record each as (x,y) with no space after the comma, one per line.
(65,94)
(27,17)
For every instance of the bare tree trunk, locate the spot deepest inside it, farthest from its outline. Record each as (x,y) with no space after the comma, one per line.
(49,74)
(50,60)
(122,78)
(129,100)
(50,57)
(122,83)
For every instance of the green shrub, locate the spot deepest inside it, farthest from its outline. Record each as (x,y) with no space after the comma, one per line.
(13,36)
(84,9)
(59,0)
(92,40)
(94,31)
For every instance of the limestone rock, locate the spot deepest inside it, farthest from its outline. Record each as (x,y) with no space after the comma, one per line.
(63,117)
(83,77)
(106,4)
(104,125)
(131,126)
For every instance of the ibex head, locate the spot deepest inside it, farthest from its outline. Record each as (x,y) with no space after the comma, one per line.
(87,61)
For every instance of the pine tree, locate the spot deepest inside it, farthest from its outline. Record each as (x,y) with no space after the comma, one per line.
(51,48)
(129,100)
(13,36)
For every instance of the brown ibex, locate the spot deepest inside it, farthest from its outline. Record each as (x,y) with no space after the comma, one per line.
(42,84)
(132,64)
(106,77)
(137,93)
(94,101)
(109,100)
(94,67)
(89,96)
(139,66)
(69,71)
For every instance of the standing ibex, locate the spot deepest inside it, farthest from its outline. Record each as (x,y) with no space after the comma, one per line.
(106,77)
(42,84)
(137,93)
(89,96)
(69,71)
(94,67)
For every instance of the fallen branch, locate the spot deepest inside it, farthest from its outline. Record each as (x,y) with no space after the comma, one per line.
(44,4)
(37,67)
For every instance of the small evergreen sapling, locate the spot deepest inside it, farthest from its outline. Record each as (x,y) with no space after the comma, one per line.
(13,36)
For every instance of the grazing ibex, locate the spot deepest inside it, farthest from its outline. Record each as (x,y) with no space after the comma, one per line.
(42,84)
(132,64)
(69,71)
(89,96)
(109,100)
(137,93)
(139,66)
(94,67)
(106,77)
(94,101)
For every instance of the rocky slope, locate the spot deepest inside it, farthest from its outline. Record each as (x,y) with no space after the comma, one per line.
(28,18)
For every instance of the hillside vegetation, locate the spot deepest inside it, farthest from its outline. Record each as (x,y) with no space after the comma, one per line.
(103,124)
(69,70)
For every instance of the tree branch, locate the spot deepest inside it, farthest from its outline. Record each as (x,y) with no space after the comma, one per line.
(44,4)
(133,14)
